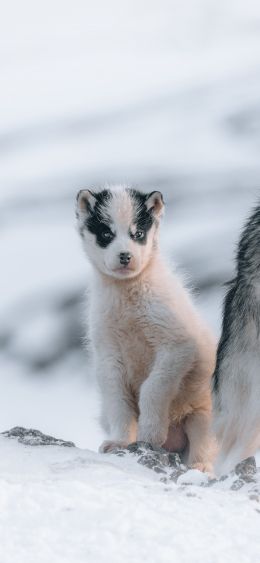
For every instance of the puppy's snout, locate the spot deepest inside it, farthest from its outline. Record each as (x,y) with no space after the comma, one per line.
(125,258)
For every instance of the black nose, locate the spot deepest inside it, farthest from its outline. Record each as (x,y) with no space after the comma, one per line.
(125,258)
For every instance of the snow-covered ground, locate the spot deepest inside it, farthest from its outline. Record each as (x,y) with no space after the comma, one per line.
(67,505)
(165,94)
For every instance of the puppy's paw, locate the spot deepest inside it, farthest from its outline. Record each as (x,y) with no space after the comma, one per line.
(109,446)
(152,434)
(205,467)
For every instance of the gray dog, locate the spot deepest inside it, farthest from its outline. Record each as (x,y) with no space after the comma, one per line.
(236,380)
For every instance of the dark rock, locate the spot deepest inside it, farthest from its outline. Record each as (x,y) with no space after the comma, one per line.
(246,470)
(155,458)
(238,484)
(31,437)
(139,447)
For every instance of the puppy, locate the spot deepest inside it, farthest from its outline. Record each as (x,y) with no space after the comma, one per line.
(154,357)
(236,380)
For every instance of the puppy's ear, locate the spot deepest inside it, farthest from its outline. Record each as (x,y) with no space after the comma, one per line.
(155,203)
(85,201)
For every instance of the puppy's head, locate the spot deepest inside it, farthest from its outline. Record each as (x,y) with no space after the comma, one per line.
(119,226)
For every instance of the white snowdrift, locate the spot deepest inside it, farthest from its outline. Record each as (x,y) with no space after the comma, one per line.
(67,505)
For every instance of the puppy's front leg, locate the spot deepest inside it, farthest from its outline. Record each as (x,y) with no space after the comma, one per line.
(159,389)
(118,416)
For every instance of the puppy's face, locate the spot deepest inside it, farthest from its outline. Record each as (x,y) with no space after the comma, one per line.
(119,228)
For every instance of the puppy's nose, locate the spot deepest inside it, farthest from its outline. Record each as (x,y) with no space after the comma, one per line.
(125,258)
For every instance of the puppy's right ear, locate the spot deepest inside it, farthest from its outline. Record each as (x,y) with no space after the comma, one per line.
(85,201)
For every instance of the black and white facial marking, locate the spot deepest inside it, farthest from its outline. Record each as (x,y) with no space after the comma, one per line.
(97,220)
(144,216)
(116,222)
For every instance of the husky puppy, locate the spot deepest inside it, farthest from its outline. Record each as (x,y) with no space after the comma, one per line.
(154,358)
(236,380)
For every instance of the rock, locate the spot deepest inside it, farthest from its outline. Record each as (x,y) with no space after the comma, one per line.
(31,437)
(157,459)
(138,448)
(237,485)
(246,470)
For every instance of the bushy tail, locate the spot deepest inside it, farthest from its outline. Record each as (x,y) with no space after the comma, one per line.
(238,440)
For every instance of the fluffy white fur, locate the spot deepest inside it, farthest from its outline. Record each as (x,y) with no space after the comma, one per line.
(237,424)
(153,355)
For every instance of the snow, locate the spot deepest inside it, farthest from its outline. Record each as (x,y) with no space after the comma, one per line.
(66,504)
(164,94)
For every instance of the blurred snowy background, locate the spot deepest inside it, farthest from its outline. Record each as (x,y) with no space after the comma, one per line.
(161,93)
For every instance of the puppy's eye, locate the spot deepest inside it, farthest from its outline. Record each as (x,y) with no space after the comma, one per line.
(107,235)
(138,235)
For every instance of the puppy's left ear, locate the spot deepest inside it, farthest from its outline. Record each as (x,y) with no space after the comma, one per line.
(155,203)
